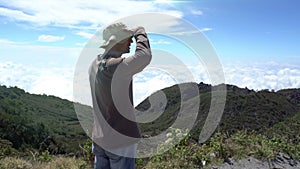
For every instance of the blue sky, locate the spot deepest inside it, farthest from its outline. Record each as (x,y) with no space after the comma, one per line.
(267,30)
(257,42)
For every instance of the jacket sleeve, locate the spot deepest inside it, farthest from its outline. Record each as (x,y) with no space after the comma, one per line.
(142,57)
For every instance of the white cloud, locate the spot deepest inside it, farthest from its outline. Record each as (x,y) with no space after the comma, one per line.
(159,42)
(257,77)
(9,42)
(263,76)
(68,13)
(57,79)
(80,44)
(38,69)
(50,80)
(191,32)
(85,34)
(148,82)
(25,53)
(50,38)
(185,32)
(205,29)
(196,12)
(14,14)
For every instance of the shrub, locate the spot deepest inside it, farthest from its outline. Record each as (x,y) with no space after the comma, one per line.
(62,163)
(14,163)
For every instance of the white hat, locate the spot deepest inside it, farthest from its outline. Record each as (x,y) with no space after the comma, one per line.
(115,33)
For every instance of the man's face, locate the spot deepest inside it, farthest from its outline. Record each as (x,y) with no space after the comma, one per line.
(124,45)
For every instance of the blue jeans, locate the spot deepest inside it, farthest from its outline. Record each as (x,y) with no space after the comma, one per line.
(107,160)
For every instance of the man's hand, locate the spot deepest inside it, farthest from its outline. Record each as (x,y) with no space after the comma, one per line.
(138,30)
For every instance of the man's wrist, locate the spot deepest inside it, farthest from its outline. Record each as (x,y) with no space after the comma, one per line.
(138,34)
(139,30)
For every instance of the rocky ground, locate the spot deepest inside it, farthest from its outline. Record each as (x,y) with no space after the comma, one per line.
(280,162)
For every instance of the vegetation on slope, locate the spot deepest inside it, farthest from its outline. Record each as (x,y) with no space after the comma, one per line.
(40,122)
(244,110)
(256,123)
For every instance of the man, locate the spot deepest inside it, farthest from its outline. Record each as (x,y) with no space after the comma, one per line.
(115,131)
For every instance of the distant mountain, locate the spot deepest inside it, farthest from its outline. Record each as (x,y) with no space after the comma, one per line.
(48,122)
(292,94)
(244,109)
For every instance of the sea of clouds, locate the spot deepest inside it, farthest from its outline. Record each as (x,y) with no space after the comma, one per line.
(58,81)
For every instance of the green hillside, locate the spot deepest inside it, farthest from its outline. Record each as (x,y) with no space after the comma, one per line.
(41,122)
(282,138)
(244,110)
(30,121)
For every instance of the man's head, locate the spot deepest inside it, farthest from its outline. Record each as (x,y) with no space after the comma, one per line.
(117,37)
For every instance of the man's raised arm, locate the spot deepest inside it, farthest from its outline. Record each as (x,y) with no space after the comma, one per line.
(142,56)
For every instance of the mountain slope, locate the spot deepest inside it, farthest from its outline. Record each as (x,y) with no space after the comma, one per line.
(39,121)
(48,122)
(244,109)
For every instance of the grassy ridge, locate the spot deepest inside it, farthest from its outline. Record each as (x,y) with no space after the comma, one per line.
(30,121)
(244,110)
(282,137)
(257,123)
(189,154)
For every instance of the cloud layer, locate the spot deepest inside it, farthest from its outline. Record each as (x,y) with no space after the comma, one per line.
(263,76)
(50,81)
(59,81)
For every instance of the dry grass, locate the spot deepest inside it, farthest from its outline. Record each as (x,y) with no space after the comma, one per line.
(55,163)
(14,163)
